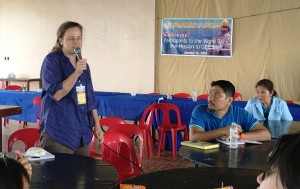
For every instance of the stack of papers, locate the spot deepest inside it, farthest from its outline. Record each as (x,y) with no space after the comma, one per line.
(200,145)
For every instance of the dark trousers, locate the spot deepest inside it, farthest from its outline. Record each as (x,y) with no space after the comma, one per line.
(52,146)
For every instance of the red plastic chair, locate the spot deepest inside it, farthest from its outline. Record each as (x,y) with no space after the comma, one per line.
(37,104)
(104,122)
(29,136)
(289,101)
(145,124)
(166,125)
(122,155)
(237,97)
(110,121)
(203,96)
(13,88)
(129,130)
(182,95)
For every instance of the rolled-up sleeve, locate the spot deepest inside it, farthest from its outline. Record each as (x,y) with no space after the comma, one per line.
(51,75)
(90,92)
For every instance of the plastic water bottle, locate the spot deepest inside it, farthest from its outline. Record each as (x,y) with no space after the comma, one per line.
(194,95)
(234,135)
(24,88)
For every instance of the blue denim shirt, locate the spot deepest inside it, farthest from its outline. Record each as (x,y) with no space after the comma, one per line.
(65,120)
(206,119)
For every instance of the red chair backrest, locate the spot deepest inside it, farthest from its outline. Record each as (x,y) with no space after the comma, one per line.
(182,95)
(110,121)
(107,122)
(29,136)
(129,130)
(167,109)
(237,97)
(146,119)
(122,156)
(14,87)
(202,96)
(37,104)
(289,101)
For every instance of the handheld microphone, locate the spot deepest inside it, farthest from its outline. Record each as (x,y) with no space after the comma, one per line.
(77,51)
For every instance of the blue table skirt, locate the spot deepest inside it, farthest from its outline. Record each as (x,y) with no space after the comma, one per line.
(124,105)
(23,99)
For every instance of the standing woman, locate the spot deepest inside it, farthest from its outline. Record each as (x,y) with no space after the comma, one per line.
(266,106)
(69,114)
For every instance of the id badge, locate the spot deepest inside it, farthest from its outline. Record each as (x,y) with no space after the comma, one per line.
(81,96)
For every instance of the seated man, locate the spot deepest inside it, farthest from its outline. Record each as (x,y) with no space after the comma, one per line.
(214,120)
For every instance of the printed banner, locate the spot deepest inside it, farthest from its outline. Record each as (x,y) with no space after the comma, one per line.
(210,37)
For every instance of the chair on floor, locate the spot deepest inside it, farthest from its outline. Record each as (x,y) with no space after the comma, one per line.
(29,136)
(107,122)
(165,109)
(182,95)
(237,97)
(203,96)
(121,154)
(104,122)
(13,88)
(146,125)
(128,130)
(289,101)
(37,104)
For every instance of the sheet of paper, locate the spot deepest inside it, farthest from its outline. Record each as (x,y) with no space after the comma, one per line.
(239,142)
(48,156)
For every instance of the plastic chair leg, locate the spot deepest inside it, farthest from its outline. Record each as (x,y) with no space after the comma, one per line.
(5,122)
(150,143)
(145,136)
(161,141)
(186,135)
(174,142)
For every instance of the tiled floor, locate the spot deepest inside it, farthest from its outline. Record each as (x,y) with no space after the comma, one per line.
(165,161)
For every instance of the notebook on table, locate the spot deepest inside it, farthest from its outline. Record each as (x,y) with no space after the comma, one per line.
(200,145)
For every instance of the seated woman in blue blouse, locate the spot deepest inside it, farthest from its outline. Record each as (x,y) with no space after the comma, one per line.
(266,106)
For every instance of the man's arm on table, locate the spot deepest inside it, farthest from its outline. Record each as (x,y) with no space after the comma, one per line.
(258,133)
(197,134)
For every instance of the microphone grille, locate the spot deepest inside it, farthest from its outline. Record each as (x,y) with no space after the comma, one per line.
(77,50)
